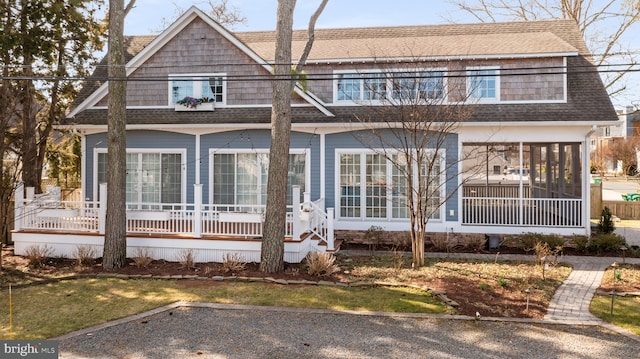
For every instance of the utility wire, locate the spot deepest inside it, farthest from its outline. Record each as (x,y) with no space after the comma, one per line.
(404,74)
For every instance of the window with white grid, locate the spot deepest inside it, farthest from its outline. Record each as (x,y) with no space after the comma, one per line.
(374,186)
(240,177)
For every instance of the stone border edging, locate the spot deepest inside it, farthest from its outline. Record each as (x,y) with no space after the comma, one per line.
(618,294)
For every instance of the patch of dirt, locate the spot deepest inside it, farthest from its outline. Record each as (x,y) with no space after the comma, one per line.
(493,301)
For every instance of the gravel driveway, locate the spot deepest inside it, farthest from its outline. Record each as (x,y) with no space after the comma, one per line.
(257,332)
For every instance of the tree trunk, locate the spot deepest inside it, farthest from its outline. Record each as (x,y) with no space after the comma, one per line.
(271,257)
(115,240)
(30,175)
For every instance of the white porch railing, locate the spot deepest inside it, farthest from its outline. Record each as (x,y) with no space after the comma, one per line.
(547,212)
(240,221)
(503,190)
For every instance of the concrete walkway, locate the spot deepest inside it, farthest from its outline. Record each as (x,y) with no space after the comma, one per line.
(572,299)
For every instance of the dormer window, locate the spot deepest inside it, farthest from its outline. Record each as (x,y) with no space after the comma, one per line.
(483,84)
(191,91)
(427,85)
(349,86)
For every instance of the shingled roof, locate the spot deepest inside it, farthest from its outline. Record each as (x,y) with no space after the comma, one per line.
(132,46)
(455,40)
(587,99)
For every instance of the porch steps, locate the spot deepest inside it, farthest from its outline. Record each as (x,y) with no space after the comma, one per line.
(336,245)
(321,242)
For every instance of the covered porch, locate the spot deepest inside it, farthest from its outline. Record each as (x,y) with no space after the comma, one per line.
(538,187)
(165,230)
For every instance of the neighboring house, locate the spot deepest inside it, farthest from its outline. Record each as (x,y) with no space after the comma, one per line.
(601,140)
(197,172)
(602,156)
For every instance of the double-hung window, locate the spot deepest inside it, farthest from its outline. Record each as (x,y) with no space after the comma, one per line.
(422,85)
(374,86)
(358,87)
(431,85)
(240,177)
(397,85)
(349,87)
(211,88)
(483,84)
(375,186)
(404,86)
(153,177)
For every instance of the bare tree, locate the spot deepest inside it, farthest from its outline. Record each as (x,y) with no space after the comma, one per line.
(413,129)
(272,252)
(218,10)
(625,150)
(115,239)
(603,24)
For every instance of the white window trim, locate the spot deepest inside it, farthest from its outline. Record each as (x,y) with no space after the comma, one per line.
(197,78)
(385,153)
(474,100)
(236,151)
(389,84)
(181,151)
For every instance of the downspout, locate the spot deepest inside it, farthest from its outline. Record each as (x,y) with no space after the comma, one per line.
(586,181)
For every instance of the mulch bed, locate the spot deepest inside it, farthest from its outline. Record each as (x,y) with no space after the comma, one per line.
(492,301)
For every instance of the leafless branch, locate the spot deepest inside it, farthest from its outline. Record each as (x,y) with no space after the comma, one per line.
(603,24)
(129,6)
(311,33)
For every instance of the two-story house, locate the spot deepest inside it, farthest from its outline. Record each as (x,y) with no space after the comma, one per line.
(198,135)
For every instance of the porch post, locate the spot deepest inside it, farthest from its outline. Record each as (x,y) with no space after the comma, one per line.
(31,193)
(102,209)
(521,186)
(330,238)
(307,199)
(197,210)
(18,204)
(296,213)
(586,184)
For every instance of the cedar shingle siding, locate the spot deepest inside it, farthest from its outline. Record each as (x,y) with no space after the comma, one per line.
(517,48)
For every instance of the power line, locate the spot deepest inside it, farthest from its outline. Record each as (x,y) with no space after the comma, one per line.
(411,61)
(413,73)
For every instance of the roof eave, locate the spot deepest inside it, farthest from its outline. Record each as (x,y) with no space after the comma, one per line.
(444,58)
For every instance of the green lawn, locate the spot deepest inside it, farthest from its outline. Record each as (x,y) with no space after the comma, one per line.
(626,311)
(45,311)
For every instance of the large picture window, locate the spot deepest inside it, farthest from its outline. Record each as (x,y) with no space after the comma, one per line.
(152,178)
(371,186)
(240,178)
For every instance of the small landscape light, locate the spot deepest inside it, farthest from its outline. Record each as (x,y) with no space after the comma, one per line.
(613,296)
(624,252)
